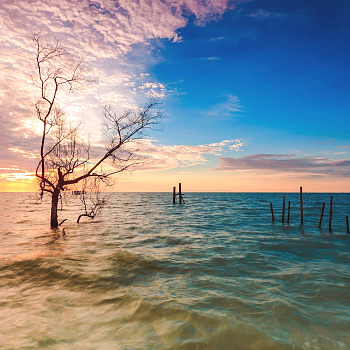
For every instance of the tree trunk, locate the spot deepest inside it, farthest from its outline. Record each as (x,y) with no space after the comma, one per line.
(54,208)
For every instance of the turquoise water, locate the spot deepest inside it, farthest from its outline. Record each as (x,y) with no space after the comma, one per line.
(214,273)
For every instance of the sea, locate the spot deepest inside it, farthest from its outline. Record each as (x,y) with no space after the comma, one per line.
(214,273)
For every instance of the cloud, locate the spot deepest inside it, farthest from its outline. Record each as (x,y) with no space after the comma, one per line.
(153,89)
(217,38)
(229,108)
(157,156)
(212,58)
(165,157)
(102,32)
(288,163)
(105,28)
(261,14)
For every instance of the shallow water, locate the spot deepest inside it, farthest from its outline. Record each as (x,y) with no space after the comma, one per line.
(214,273)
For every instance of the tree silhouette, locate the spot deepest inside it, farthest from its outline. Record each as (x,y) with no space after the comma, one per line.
(65,156)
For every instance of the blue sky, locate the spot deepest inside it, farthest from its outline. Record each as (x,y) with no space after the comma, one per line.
(288,64)
(255,92)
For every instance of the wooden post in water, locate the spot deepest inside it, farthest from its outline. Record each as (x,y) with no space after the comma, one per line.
(180,195)
(283,207)
(330,214)
(347,224)
(288,216)
(322,211)
(273,216)
(174,195)
(301,207)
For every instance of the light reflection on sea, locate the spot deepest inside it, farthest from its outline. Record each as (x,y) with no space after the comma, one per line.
(214,273)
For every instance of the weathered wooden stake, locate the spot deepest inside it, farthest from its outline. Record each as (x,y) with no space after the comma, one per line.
(347,224)
(273,216)
(180,195)
(322,211)
(288,216)
(330,214)
(283,207)
(301,207)
(174,195)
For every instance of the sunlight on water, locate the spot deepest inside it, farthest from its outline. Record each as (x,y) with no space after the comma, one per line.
(214,273)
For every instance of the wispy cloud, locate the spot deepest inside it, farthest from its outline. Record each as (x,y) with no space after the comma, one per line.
(288,163)
(260,14)
(217,38)
(165,157)
(212,58)
(231,107)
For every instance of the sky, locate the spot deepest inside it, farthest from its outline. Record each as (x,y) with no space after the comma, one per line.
(255,92)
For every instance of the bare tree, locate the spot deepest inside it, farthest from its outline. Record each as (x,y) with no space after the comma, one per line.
(65,157)
(91,198)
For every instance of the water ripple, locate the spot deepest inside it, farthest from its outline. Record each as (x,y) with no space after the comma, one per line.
(215,273)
